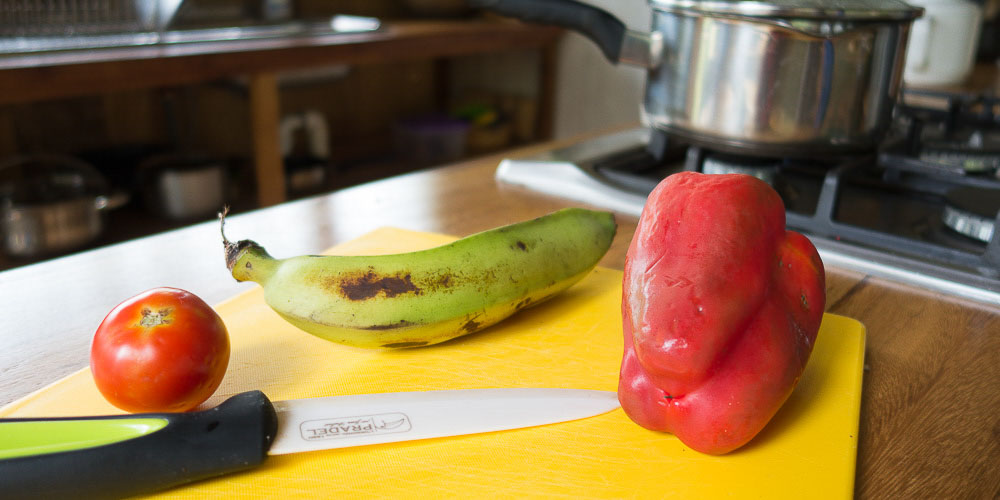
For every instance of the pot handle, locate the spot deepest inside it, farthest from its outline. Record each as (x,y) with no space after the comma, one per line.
(918,51)
(115,200)
(599,26)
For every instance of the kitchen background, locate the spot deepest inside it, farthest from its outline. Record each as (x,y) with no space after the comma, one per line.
(172,155)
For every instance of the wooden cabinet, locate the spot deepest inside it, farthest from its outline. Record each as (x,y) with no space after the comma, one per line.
(27,78)
(239,92)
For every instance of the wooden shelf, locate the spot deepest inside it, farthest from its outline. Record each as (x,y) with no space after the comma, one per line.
(35,77)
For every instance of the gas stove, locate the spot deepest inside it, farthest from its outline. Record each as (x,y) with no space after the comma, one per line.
(923,209)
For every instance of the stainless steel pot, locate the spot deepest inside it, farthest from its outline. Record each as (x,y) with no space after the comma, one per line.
(55,226)
(771,78)
(51,204)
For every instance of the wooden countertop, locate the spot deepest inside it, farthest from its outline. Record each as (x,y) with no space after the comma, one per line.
(929,414)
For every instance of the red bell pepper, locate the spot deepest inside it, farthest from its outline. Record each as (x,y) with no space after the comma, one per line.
(721,307)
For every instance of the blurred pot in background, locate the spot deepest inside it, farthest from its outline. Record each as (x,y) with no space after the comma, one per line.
(183,186)
(51,204)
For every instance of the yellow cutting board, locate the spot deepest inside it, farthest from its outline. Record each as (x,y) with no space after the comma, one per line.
(807,451)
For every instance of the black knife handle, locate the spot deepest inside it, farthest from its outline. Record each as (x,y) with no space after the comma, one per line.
(230,437)
(596,24)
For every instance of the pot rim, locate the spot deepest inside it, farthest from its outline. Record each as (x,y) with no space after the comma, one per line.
(833,10)
(53,169)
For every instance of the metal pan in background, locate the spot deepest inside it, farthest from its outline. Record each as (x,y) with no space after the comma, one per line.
(51,204)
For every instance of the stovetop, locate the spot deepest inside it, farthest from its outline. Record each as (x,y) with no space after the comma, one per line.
(893,213)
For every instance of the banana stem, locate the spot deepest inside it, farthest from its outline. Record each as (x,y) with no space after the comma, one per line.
(246,260)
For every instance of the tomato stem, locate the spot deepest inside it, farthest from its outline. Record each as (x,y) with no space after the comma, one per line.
(152,318)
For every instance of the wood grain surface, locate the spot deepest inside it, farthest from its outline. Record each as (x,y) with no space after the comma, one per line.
(33,77)
(930,415)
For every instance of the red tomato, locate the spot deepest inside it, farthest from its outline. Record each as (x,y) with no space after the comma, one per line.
(164,350)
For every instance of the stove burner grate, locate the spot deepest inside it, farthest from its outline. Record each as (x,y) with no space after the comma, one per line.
(878,213)
(823,222)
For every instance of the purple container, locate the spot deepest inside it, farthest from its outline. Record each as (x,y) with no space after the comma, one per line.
(430,140)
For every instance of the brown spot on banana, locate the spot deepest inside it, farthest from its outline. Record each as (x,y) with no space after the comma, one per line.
(366,284)
(443,281)
(400,324)
(471,325)
(371,284)
(397,345)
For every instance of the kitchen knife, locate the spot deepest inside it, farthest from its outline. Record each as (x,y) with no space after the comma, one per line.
(123,455)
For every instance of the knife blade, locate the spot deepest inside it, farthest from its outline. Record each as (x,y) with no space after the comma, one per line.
(124,455)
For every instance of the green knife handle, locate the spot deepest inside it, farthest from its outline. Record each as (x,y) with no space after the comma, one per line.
(233,436)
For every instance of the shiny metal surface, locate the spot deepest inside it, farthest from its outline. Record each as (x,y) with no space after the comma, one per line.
(30,230)
(140,36)
(761,84)
(25,18)
(969,224)
(51,203)
(771,88)
(642,49)
(718,164)
(365,419)
(826,9)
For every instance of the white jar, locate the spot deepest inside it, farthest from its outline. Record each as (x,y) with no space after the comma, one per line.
(943,42)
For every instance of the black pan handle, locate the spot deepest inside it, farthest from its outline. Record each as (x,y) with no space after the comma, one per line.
(190,446)
(599,26)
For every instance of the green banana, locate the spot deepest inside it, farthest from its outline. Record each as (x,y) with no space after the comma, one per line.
(429,296)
